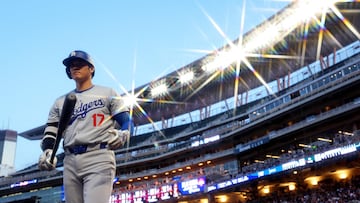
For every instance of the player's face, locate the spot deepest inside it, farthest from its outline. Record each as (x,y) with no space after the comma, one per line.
(80,70)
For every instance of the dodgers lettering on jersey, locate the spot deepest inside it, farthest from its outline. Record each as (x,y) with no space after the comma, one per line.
(85,108)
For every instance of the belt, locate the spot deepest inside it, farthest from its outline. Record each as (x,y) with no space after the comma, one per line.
(80,149)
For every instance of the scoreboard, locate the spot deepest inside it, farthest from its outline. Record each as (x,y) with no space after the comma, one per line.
(163,192)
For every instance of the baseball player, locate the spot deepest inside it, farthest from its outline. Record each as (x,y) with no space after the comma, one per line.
(90,137)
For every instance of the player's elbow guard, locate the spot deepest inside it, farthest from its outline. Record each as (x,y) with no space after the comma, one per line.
(48,141)
(125,122)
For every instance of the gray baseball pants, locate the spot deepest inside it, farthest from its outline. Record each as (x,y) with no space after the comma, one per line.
(88,177)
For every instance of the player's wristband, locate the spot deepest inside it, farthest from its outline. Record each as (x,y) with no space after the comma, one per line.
(47,143)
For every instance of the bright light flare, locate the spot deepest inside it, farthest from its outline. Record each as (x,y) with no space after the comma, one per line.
(159,90)
(186,77)
(130,100)
(277,28)
(223,60)
(266,35)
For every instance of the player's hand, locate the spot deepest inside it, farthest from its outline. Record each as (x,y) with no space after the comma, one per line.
(44,161)
(119,138)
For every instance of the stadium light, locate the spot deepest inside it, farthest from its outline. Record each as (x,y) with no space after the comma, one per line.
(304,145)
(272,156)
(186,77)
(159,90)
(324,139)
(270,33)
(222,198)
(281,25)
(223,59)
(266,190)
(343,175)
(313,180)
(130,99)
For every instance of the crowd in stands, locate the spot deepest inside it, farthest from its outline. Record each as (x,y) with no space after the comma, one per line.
(340,139)
(327,191)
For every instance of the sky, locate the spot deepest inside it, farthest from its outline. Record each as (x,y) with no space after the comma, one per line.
(133,42)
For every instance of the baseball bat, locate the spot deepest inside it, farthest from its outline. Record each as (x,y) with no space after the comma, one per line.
(66,112)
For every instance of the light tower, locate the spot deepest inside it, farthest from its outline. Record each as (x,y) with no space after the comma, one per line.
(8,140)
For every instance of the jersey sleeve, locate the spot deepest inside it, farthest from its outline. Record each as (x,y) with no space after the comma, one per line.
(125,122)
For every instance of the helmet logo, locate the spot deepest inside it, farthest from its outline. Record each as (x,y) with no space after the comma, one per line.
(73,53)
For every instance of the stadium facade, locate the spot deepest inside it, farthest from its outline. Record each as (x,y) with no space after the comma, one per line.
(294,131)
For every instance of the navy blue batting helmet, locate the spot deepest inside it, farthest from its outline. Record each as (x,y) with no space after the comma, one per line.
(77,54)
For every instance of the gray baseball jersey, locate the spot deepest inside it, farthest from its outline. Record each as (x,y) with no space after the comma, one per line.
(92,115)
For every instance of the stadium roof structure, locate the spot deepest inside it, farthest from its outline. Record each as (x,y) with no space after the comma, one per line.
(293,38)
